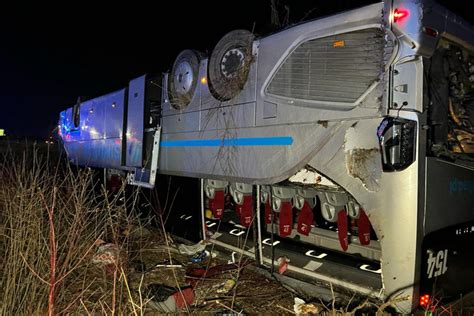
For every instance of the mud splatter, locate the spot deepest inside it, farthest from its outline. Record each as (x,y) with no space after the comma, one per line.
(363,164)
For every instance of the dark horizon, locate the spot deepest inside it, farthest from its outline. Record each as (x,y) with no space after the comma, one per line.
(48,58)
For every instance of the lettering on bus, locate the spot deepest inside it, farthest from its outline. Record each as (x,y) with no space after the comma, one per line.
(437,265)
(461,186)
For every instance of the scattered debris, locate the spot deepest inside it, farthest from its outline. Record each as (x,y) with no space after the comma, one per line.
(184,297)
(167,306)
(167,263)
(191,249)
(168,299)
(200,256)
(302,308)
(225,287)
(283,264)
(169,266)
(160,292)
(106,254)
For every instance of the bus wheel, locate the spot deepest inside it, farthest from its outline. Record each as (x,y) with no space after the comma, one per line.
(183,78)
(229,64)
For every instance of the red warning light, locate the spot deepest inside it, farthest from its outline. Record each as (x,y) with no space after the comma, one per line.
(424,300)
(399,14)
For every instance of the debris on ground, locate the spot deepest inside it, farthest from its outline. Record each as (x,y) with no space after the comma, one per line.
(160,292)
(207,282)
(302,308)
(167,306)
(158,275)
(168,299)
(200,256)
(184,297)
(226,286)
(282,264)
(191,249)
(107,256)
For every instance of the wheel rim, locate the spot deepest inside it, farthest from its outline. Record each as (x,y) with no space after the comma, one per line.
(232,62)
(183,78)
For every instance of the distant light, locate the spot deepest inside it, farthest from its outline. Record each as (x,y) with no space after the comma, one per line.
(399,15)
(204,80)
(113,105)
(2,132)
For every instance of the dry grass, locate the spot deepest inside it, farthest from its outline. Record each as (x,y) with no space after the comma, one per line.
(51,220)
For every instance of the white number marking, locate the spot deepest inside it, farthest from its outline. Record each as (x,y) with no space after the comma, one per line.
(437,265)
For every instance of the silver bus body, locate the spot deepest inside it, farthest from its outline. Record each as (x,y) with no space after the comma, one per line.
(308,125)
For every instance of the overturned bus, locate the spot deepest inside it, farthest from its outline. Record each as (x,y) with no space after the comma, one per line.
(345,143)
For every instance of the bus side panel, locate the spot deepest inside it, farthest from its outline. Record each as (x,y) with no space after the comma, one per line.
(447,262)
(135,123)
(450,194)
(96,141)
(447,253)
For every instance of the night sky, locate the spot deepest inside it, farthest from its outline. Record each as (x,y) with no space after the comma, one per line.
(51,54)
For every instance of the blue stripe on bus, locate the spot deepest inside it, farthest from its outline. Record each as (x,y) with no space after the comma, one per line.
(250,141)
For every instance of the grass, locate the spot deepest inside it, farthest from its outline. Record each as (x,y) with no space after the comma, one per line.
(52,218)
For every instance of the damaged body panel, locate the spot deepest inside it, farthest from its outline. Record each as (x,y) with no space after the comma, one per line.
(363,157)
